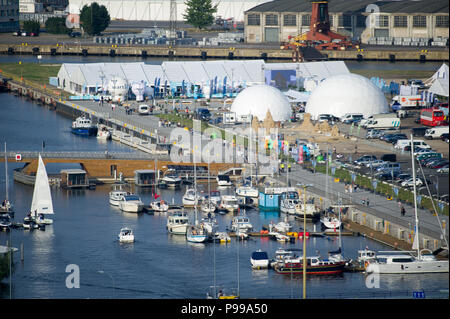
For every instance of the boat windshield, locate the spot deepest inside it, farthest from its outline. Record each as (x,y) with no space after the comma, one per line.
(132,197)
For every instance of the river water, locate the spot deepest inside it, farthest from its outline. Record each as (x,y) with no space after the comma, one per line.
(157,265)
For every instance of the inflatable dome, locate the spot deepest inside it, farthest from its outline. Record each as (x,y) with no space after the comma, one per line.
(118,88)
(346,93)
(258,99)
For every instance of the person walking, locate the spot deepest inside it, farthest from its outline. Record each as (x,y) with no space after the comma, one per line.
(402,210)
(367,201)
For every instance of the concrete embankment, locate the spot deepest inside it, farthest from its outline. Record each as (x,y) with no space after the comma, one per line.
(413,54)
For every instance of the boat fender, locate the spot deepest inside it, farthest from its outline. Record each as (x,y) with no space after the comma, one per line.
(366,263)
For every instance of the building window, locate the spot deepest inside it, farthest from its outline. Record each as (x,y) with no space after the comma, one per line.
(361,21)
(419,21)
(400,21)
(306,20)
(382,21)
(253,19)
(271,19)
(344,20)
(289,20)
(441,21)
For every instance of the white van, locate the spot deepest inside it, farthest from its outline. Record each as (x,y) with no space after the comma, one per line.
(143,109)
(436,132)
(229,118)
(401,144)
(385,122)
(351,117)
(389,167)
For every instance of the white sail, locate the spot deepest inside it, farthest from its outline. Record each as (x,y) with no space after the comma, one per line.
(42,198)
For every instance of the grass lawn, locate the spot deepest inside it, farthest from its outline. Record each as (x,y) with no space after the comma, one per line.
(35,72)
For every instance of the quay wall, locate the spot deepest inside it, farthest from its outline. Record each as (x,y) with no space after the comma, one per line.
(413,54)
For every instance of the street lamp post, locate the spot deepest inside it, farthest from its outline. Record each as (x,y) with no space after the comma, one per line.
(304,237)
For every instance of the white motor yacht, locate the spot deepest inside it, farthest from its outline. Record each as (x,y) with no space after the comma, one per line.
(241,223)
(159,206)
(208,207)
(223,180)
(282,226)
(131,204)
(406,264)
(126,235)
(103,132)
(178,223)
(210,225)
(247,191)
(259,259)
(197,234)
(289,206)
(190,198)
(229,203)
(215,197)
(115,197)
(171,179)
(222,237)
(331,222)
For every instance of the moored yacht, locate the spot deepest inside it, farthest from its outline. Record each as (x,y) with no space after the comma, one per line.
(229,203)
(223,180)
(131,204)
(241,223)
(190,198)
(83,126)
(103,132)
(115,197)
(171,179)
(159,206)
(178,223)
(259,259)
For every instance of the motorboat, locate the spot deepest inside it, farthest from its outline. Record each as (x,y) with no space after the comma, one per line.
(210,225)
(296,207)
(330,222)
(83,126)
(178,223)
(208,207)
(171,179)
(241,223)
(221,293)
(282,226)
(365,255)
(223,180)
(259,259)
(314,266)
(229,203)
(222,237)
(115,197)
(103,132)
(159,206)
(197,234)
(405,263)
(282,255)
(215,197)
(5,221)
(247,191)
(131,204)
(6,207)
(126,235)
(190,197)
(289,206)
(41,204)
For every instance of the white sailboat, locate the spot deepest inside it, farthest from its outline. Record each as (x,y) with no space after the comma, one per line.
(398,263)
(6,206)
(42,203)
(196,233)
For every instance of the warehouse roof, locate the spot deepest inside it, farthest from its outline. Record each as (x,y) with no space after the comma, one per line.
(355,6)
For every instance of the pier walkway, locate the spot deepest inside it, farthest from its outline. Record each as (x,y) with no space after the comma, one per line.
(378,205)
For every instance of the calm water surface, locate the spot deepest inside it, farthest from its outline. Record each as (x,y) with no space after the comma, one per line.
(157,265)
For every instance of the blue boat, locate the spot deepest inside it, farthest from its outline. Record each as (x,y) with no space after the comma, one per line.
(83,126)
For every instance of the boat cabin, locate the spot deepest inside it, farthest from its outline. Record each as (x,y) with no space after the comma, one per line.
(144,177)
(270,197)
(74,178)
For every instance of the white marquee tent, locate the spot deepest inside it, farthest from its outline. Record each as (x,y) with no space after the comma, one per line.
(89,77)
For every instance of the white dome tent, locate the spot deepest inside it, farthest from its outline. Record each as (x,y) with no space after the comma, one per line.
(346,93)
(258,99)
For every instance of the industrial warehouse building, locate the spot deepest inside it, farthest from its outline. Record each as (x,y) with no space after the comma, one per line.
(404,22)
(159,10)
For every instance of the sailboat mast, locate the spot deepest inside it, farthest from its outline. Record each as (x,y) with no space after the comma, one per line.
(6,176)
(416,231)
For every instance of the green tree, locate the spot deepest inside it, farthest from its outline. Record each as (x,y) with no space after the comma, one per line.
(31,26)
(56,25)
(94,18)
(200,13)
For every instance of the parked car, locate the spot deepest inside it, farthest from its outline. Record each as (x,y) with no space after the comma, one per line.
(420,151)
(419,131)
(400,178)
(387,175)
(443,169)
(326,118)
(389,157)
(75,34)
(373,134)
(365,159)
(444,137)
(435,162)
(374,164)
(397,137)
(410,182)
(25,34)
(17,33)
(388,166)
(437,165)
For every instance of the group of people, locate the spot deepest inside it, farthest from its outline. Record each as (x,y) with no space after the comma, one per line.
(350,188)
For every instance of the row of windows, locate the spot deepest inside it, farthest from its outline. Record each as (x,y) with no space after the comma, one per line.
(9,13)
(346,20)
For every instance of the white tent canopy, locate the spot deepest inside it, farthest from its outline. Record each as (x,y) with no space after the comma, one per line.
(439,87)
(87,78)
(441,73)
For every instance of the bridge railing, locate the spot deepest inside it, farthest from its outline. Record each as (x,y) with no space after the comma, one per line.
(80,155)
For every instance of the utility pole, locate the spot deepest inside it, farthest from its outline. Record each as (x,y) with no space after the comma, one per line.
(173,21)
